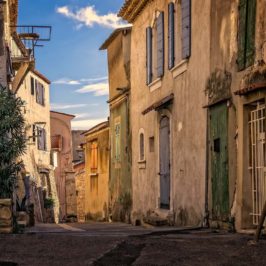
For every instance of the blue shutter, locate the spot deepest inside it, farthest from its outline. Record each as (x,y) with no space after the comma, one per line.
(171,35)
(186,28)
(160,45)
(149,54)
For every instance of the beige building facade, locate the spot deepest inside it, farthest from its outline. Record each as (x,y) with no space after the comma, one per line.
(97,172)
(169,68)
(38,181)
(61,139)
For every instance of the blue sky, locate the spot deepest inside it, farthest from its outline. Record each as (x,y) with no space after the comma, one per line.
(72,60)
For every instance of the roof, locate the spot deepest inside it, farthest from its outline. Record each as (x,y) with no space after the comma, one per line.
(62,113)
(41,76)
(132,8)
(113,35)
(96,128)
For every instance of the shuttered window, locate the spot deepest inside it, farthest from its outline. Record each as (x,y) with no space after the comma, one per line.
(32,85)
(39,88)
(186,28)
(117,142)
(41,138)
(171,35)
(141,147)
(94,157)
(160,44)
(149,54)
(246,33)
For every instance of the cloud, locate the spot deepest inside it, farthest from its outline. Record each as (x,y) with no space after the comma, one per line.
(66,81)
(99,89)
(87,123)
(58,106)
(89,80)
(89,17)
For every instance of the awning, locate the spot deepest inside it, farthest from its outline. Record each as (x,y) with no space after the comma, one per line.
(160,104)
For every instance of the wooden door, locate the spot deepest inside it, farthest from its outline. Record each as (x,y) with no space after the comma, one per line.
(219,161)
(164,163)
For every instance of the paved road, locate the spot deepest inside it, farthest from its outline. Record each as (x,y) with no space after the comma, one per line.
(120,244)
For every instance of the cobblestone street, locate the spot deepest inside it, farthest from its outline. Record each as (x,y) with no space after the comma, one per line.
(120,244)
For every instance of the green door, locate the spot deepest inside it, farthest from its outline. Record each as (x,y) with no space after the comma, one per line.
(219,161)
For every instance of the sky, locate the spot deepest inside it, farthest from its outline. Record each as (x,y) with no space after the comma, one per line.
(72,60)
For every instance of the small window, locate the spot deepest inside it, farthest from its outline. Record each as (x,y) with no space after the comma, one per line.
(41,138)
(141,147)
(151,144)
(32,85)
(94,157)
(117,142)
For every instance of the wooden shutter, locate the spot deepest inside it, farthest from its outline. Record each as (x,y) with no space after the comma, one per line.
(149,54)
(32,87)
(94,157)
(251,27)
(33,133)
(171,35)
(160,45)
(242,34)
(186,28)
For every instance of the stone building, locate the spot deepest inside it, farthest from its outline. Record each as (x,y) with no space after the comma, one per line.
(38,182)
(120,191)
(61,139)
(170,51)
(236,112)
(97,172)
(79,169)
(77,140)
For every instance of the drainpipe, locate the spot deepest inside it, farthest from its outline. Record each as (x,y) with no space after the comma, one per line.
(206,215)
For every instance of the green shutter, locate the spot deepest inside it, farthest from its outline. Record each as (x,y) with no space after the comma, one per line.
(242,34)
(250,38)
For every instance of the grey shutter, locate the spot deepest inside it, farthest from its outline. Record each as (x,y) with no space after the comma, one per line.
(42,93)
(160,45)
(186,28)
(242,24)
(250,38)
(171,35)
(149,54)
(44,140)
(32,87)
(33,133)
(37,90)
(39,134)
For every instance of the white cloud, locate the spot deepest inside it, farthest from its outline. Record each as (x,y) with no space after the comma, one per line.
(88,16)
(94,79)
(58,106)
(86,124)
(99,89)
(66,81)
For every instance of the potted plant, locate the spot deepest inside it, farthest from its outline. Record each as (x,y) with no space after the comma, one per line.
(12,145)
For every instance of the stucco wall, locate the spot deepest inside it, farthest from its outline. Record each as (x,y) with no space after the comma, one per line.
(96,197)
(34,158)
(187,121)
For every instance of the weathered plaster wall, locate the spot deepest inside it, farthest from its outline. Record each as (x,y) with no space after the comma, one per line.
(96,193)
(80,188)
(187,121)
(120,171)
(34,158)
(61,125)
(224,37)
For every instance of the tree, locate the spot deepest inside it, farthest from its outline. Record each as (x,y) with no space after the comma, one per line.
(12,140)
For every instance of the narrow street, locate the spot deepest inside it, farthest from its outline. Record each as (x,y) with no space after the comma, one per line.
(120,244)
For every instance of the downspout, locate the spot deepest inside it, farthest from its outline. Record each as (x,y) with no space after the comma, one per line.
(206,214)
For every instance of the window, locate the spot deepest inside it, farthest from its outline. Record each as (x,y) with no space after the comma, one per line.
(117,142)
(151,144)
(155,49)
(246,33)
(32,85)
(94,157)
(41,133)
(179,32)
(141,147)
(39,88)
